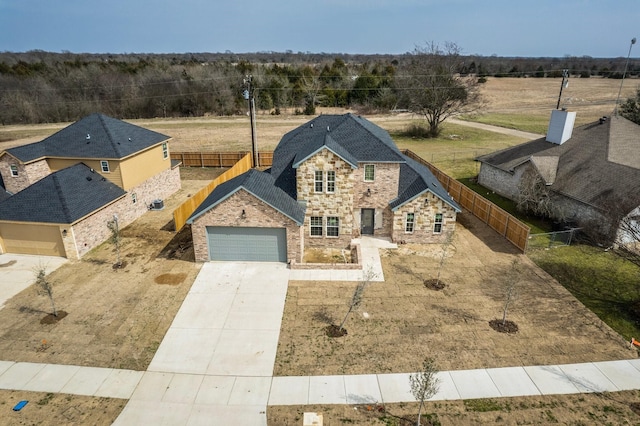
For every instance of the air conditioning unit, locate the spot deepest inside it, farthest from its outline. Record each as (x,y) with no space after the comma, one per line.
(157,205)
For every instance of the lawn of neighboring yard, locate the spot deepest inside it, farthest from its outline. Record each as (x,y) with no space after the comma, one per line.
(602,280)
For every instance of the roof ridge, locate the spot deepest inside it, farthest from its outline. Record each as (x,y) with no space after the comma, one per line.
(61,195)
(357,119)
(107,130)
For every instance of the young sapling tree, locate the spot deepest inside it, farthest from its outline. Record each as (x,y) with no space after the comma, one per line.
(424,384)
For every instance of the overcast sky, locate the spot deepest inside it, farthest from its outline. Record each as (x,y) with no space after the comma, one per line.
(526,28)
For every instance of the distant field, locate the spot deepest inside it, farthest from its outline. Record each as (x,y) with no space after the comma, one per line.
(520,103)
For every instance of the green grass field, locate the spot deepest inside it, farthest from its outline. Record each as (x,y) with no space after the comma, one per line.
(603,281)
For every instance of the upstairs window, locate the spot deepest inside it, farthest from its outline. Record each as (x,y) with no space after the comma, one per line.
(165,151)
(316,226)
(14,170)
(134,198)
(369,172)
(333,226)
(318,183)
(437,223)
(409,222)
(104,165)
(331,181)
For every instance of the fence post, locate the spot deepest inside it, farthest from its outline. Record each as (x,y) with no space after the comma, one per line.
(489,214)
(506,225)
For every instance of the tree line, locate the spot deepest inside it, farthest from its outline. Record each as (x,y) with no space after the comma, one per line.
(38,87)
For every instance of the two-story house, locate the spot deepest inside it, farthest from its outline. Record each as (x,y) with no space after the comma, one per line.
(66,187)
(332,179)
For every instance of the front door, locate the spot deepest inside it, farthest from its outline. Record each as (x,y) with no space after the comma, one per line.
(366,221)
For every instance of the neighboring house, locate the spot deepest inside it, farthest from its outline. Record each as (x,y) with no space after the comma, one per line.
(68,186)
(332,179)
(591,174)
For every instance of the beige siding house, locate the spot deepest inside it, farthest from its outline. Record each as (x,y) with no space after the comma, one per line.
(68,186)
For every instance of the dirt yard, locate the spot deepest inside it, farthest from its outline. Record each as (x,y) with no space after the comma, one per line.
(116,317)
(401,321)
(620,408)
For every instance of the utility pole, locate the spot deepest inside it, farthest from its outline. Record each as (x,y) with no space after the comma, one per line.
(565,83)
(633,41)
(248,95)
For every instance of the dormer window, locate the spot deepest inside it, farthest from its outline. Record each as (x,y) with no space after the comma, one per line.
(14,170)
(104,166)
(369,172)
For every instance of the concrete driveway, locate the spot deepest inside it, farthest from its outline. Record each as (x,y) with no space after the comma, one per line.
(17,272)
(215,363)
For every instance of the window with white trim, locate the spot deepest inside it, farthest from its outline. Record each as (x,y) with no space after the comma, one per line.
(409,222)
(437,223)
(14,170)
(165,151)
(369,172)
(331,181)
(316,226)
(104,165)
(318,181)
(333,226)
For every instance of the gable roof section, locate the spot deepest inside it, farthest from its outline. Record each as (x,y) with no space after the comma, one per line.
(94,136)
(416,179)
(317,143)
(62,197)
(259,184)
(595,164)
(351,137)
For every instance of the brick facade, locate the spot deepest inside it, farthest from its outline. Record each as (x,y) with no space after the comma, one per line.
(28,174)
(257,215)
(424,209)
(92,230)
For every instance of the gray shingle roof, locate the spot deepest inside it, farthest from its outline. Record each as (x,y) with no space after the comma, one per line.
(62,197)
(94,136)
(590,165)
(354,138)
(259,184)
(416,179)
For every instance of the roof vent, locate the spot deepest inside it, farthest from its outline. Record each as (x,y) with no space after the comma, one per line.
(91,170)
(89,178)
(328,130)
(88,136)
(312,125)
(129,139)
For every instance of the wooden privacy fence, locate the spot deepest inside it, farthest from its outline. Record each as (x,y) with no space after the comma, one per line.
(186,209)
(218,159)
(498,219)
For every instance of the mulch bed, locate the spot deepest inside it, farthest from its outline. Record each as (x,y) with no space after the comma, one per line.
(52,319)
(335,331)
(434,284)
(506,327)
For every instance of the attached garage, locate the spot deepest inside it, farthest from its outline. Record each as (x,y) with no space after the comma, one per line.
(32,239)
(247,244)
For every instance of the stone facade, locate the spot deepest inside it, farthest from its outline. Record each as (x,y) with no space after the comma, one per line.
(503,183)
(338,203)
(257,215)
(424,209)
(28,174)
(376,195)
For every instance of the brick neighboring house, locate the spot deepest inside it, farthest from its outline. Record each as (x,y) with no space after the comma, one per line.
(68,186)
(334,178)
(592,172)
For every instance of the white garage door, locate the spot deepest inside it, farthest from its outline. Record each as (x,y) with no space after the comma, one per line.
(247,244)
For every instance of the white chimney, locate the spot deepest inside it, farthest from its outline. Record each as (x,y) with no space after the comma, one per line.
(560,126)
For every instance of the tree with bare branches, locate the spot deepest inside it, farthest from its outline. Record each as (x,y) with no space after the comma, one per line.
(431,86)
(424,384)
